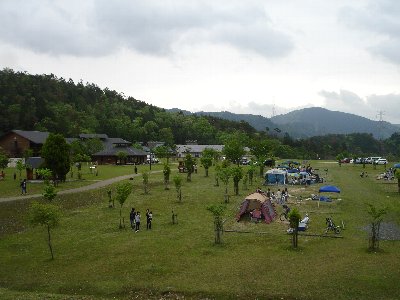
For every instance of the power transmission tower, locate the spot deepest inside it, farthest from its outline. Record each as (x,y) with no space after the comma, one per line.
(381,127)
(273,110)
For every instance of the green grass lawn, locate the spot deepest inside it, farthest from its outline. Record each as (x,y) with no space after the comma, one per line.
(95,259)
(10,187)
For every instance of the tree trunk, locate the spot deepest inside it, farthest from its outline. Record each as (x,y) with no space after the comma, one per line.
(226,197)
(166,182)
(261,171)
(236,188)
(120,217)
(294,238)
(49,242)
(206,172)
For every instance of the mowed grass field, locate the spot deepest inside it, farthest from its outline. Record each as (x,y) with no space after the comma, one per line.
(95,259)
(10,187)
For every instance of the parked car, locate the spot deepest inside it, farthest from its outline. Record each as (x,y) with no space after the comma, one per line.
(381,161)
(370,160)
(358,160)
(245,161)
(345,160)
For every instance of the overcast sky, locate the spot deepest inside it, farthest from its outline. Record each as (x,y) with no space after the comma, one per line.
(259,57)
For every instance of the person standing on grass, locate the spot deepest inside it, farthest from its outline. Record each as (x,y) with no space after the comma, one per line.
(132,216)
(149,218)
(23,187)
(137,220)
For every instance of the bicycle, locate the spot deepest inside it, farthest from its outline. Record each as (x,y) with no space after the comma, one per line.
(331,226)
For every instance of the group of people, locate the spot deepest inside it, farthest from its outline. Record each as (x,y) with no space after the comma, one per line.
(388,175)
(280,197)
(135,216)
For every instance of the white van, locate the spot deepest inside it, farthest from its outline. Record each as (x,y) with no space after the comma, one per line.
(371,159)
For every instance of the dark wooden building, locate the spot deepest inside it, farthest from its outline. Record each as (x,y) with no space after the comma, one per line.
(16,142)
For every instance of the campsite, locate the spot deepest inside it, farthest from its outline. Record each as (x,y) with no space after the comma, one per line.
(94,259)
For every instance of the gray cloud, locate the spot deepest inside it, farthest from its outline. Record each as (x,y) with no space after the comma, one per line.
(369,107)
(99,27)
(48,27)
(382,19)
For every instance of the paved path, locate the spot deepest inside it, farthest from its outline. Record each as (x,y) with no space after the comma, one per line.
(92,186)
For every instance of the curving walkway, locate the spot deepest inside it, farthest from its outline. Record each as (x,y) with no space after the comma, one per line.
(89,187)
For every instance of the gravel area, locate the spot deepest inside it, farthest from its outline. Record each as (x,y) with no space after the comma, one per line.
(388,231)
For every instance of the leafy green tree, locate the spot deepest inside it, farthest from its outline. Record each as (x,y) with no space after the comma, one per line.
(397,175)
(163,152)
(294,219)
(166,173)
(110,199)
(178,187)
(339,157)
(49,192)
(55,152)
(250,172)
(261,150)
(45,215)
(376,219)
(214,154)
(225,175)
(217,211)
(237,175)
(245,181)
(20,166)
(3,160)
(217,174)
(206,161)
(45,174)
(189,165)
(27,153)
(92,145)
(167,136)
(123,191)
(234,150)
(122,155)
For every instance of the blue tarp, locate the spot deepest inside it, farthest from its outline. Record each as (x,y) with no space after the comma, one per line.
(329,189)
(397,166)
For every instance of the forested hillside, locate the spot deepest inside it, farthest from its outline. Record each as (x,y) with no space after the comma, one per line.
(48,103)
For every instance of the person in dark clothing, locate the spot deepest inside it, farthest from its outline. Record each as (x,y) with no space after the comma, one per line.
(132,216)
(149,218)
(23,187)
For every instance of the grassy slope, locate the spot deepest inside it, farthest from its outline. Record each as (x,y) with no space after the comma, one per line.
(94,257)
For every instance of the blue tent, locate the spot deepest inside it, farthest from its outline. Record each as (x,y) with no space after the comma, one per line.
(397,166)
(275,176)
(329,189)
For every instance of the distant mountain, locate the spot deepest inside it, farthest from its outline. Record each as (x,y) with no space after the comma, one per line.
(308,122)
(315,121)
